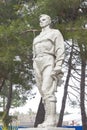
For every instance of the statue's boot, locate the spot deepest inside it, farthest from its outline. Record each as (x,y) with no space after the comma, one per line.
(50,115)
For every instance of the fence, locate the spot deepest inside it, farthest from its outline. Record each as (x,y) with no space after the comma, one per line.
(10,128)
(76,127)
(16,128)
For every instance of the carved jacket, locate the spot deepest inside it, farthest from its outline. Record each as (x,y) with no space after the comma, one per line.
(50,42)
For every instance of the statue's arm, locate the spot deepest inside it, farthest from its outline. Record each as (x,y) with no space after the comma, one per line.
(59,51)
(57,73)
(59,54)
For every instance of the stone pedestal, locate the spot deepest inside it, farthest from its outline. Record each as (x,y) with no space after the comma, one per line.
(50,128)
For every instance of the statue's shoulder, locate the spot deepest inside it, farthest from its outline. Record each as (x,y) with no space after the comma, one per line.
(56,31)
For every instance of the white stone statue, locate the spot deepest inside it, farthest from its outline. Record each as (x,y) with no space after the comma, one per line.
(48,56)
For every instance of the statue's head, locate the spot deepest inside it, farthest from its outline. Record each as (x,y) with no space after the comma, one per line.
(45,20)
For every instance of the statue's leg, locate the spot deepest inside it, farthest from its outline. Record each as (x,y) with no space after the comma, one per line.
(50,114)
(49,99)
(38,76)
(41,112)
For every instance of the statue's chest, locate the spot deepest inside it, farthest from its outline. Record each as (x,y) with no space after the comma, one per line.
(46,38)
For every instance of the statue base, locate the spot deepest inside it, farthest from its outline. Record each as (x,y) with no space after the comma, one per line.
(50,128)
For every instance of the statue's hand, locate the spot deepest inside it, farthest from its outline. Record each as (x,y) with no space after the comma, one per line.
(53,74)
(57,74)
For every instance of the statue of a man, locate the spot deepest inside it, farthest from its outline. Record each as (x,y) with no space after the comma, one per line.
(48,56)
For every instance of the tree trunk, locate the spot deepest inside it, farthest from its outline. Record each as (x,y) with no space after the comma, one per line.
(5,118)
(83,56)
(40,114)
(2,81)
(65,90)
(82,93)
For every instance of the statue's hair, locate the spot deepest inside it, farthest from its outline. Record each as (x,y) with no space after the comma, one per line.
(49,18)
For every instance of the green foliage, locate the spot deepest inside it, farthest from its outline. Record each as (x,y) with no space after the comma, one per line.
(15,52)
(64,9)
(9,13)
(1,113)
(7,119)
(74,29)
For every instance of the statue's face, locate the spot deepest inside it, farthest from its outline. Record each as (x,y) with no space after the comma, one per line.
(44,21)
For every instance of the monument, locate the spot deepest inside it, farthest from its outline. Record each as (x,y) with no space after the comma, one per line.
(48,56)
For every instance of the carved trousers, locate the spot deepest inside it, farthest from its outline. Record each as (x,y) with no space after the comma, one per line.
(43,67)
